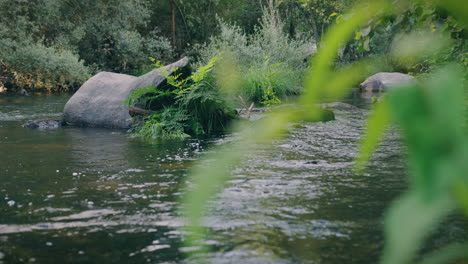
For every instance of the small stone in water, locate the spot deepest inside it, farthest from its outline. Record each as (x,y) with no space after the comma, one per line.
(57,171)
(75,174)
(2,255)
(49,244)
(11,203)
(81,252)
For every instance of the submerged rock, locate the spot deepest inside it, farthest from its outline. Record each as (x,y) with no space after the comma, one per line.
(99,101)
(384,80)
(43,124)
(22,92)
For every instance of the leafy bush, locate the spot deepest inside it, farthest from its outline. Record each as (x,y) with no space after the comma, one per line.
(266,82)
(35,66)
(191,106)
(270,60)
(89,29)
(126,51)
(156,46)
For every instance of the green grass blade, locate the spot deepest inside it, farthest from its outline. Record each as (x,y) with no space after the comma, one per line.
(377,123)
(449,254)
(407,223)
(334,39)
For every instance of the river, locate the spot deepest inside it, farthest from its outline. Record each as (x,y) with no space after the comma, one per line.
(84,195)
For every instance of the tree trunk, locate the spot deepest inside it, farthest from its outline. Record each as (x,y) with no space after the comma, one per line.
(315,29)
(173,23)
(135,111)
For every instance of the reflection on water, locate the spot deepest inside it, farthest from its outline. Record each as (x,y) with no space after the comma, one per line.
(78,195)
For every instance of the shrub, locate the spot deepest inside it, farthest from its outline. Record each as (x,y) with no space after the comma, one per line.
(157,47)
(270,60)
(35,66)
(266,82)
(124,50)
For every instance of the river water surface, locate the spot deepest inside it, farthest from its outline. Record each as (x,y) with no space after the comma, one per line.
(83,195)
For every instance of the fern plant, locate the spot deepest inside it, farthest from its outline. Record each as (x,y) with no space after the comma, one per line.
(191,106)
(170,123)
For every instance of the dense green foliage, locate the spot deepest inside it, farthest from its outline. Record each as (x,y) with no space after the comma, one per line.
(34,65)
(271,63)
(265,47)
(59,37)
(84,37)
(378,37)
(183,107)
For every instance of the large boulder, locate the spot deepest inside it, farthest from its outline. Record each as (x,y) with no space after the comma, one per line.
(385,80)
(99,101)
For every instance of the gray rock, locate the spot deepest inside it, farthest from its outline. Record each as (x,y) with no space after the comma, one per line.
(385,80)
(99,101)
(43,124)
(22,92)
(3,89)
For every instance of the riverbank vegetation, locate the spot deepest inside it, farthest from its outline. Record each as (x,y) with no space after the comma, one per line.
(260,52)
(57,45)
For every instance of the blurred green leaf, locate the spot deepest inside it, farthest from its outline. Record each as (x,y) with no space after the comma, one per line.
(457,7)
(431,118)
(358,35)
(449,254)
(377,123)
(207,181)
(407,224)
(321,65)
(410,48)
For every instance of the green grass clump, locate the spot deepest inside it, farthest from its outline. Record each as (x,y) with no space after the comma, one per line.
(37,67)
(267,83)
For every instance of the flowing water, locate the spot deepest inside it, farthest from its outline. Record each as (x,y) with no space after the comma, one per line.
(83,195)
